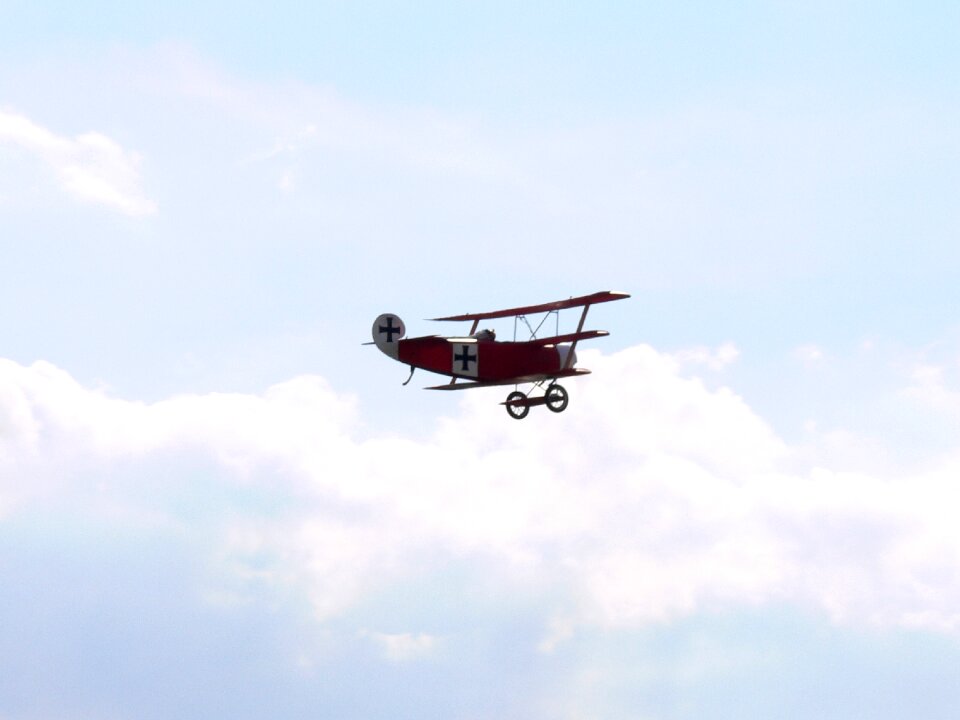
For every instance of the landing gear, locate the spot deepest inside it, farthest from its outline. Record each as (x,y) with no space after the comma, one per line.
(514,408)
(555,398)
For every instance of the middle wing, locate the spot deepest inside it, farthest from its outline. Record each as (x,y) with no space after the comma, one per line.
(569,337)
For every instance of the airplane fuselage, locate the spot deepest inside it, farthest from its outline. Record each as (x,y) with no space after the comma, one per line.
(482,360)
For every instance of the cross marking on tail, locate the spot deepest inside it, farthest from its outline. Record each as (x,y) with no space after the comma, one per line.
(389,329)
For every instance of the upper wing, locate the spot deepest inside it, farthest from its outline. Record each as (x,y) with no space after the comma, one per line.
(598,297)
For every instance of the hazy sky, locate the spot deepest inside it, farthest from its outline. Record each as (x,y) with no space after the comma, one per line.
(215,502)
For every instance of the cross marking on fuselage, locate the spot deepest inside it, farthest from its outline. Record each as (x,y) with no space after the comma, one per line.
(389,329)
(466,358)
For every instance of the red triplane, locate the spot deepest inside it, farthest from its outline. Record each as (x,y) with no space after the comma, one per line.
(480,360)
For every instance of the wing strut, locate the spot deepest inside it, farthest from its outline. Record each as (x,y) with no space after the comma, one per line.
(573,345)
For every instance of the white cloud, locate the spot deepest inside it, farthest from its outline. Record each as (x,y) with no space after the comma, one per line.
(91,167)
(714,359)
(810,355)
(403,647)
(651,498)
(319,124)
(928,386)
(287,182)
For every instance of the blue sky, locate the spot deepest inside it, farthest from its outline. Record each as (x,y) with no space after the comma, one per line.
(214,501)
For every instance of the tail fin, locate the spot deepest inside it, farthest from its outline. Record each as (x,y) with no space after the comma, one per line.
(387,331)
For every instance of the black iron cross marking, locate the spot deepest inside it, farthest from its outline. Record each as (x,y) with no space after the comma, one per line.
(389,329)
(466,358)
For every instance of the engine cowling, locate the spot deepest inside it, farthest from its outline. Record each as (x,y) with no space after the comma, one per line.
(568,356)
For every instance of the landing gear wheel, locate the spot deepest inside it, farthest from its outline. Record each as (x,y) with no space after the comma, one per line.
(557,398)
(517,412)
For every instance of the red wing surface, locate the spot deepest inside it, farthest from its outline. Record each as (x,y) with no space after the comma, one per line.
(570,372)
